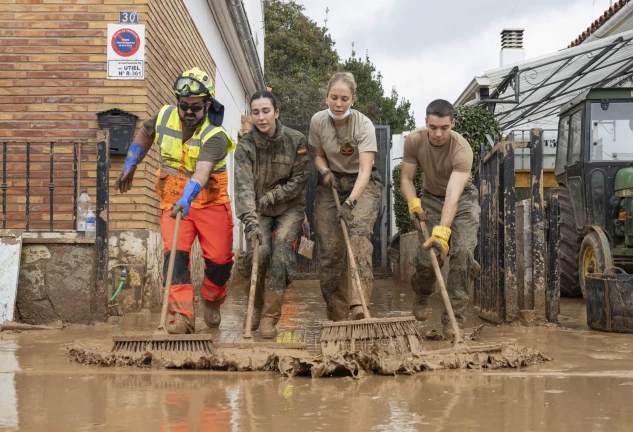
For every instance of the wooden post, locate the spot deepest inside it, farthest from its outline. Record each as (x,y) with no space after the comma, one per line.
(509,236)
(100,310)
(538,221)
(553,268)
(520,234)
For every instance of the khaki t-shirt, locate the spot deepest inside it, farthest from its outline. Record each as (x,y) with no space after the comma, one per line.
(343,144)
(437,162)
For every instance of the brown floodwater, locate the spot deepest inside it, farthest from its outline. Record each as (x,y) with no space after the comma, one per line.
(587,387)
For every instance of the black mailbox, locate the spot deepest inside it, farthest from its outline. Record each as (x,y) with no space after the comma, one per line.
(121,125)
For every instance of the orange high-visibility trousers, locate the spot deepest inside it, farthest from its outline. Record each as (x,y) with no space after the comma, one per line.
(214,227)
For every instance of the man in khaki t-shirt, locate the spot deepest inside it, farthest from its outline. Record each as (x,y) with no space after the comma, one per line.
(448,204)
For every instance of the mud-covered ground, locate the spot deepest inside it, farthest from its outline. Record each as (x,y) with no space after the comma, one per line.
(587,387)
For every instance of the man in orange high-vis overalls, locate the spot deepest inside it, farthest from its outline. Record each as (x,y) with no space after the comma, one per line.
(193,178)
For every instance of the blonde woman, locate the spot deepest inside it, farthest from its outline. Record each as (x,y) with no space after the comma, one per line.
(344,141)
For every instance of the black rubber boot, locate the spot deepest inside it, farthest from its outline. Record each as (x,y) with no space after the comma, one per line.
(212,316)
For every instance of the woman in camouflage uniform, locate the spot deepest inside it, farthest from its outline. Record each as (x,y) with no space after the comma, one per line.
(271,173)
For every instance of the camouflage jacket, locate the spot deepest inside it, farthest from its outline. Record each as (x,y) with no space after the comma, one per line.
(279,164)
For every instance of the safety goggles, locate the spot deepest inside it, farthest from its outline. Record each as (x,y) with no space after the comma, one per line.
(187,86)
(194,108)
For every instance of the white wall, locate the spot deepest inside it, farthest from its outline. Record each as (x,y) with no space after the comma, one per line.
(228,88)
(255,14)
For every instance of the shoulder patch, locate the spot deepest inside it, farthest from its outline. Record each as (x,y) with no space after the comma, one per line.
(302,151)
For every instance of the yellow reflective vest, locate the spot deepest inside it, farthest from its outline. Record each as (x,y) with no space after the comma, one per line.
(177,155)
(179,161)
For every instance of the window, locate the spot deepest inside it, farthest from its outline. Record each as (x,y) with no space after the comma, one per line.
(561,151)
(575,131)
(598,200)
(575,193)
(611,131)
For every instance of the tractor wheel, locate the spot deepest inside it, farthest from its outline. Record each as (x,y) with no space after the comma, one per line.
(569,246)
(592,259)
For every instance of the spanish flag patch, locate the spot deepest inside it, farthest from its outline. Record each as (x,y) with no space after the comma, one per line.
(302,151)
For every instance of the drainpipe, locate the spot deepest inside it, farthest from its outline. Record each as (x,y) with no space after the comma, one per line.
(241,21)
(613,22)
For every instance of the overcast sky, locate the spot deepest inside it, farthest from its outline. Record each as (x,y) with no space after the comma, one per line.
(433,49)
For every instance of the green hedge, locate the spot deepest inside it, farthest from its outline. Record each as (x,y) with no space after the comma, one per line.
(473,123)
(400,207)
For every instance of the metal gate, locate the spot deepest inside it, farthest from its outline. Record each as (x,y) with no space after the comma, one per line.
(308,269)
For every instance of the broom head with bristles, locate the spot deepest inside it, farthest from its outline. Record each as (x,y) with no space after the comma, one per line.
(399,336)
(187,346)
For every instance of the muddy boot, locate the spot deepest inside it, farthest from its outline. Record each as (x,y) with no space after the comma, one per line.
(421,308)
(271,314)
(212,315)
(257,315)
(267,329)
(336,308)
(357,312)
(180,324)
(475,270)
(448,331)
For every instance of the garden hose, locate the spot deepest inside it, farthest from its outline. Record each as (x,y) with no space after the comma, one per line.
(121,283)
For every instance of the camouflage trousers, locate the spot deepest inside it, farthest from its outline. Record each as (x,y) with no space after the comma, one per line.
(332,249)
(461,254)
(275,253)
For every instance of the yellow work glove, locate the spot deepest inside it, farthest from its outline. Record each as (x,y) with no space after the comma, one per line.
(416,213)
(439,239)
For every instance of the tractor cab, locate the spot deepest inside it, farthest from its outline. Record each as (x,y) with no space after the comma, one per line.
(594,170)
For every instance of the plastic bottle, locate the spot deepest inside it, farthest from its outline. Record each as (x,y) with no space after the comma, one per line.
(83,205)
(91,224)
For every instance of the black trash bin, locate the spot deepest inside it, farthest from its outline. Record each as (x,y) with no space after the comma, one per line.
(121,125)
(610,301)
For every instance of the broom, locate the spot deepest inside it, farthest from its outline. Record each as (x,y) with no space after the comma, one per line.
(398,336)
(458,343)
(162,344)
(457,339)
(247,341)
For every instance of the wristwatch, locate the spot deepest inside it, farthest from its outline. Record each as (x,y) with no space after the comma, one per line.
(352,202)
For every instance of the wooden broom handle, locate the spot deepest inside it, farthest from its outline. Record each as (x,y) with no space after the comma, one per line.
(170,273)
(440,280)
(251,295)
(352,262)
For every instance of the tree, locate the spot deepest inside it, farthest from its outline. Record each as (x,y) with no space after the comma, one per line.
(371,99)
(299,59)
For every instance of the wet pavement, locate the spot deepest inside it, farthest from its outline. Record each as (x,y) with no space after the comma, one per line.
(587,387)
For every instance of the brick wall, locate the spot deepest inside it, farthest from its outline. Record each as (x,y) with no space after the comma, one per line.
(53,82)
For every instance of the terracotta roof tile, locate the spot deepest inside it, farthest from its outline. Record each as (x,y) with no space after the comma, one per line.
(599,22)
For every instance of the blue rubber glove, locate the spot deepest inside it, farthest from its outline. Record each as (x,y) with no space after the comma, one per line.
(134,157)
(191,191)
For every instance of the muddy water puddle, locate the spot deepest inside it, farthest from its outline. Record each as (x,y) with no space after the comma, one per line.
(588,386)
(221,401)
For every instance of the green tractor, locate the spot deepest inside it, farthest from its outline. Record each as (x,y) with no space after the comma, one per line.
(594,171)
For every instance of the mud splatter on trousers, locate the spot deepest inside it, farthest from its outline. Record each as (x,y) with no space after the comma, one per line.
(277,255)
(332,249)
(461,254)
